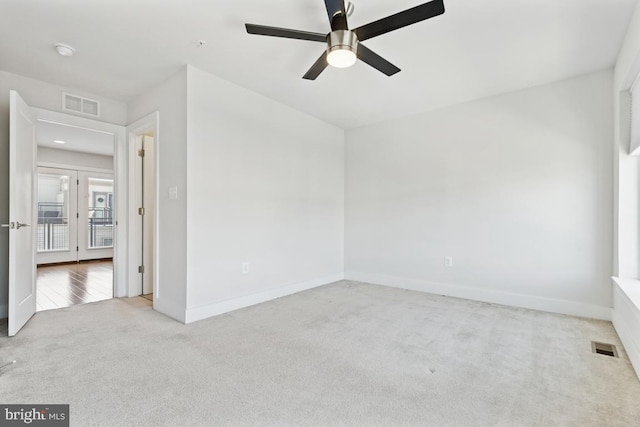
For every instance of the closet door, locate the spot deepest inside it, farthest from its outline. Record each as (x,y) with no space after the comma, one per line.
(95,223)
(57,206)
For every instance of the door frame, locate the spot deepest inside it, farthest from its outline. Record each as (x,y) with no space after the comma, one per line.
(135,131)
(120,174)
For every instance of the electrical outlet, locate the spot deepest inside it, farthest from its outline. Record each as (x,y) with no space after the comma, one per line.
(245,268)
(448,261)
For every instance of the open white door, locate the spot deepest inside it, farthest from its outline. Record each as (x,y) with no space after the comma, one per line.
(22,163)
(148,202)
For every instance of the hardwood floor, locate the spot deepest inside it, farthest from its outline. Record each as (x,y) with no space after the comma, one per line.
(62,285)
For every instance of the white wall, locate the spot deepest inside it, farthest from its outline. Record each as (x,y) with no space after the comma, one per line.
(74,159)
(265,186)
(170,99)
(517,188)
(43,95)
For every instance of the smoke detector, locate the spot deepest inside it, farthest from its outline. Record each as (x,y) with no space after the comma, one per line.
(65,49)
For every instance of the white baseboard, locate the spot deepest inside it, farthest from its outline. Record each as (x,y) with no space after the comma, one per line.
(203,312)
(626,321)
(169,310)
(486,295)
(4,311)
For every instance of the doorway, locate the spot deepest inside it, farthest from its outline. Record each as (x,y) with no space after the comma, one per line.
(23,120)
(75,215)
(143,137)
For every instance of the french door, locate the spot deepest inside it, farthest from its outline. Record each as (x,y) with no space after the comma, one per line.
(75,215)
(95,218)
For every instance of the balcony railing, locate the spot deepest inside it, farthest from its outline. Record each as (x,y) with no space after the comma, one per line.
(53,228)
(100,227)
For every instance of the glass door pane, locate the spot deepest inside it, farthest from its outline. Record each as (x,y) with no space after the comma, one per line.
(100,213)
(57,207)
(53,212)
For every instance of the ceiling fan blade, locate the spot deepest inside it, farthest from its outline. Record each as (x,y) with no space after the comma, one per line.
(337,14)
(317,68)
(376,61)
(263,30)
(401,19)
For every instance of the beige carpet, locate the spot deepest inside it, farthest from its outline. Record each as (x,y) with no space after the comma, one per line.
(343,354)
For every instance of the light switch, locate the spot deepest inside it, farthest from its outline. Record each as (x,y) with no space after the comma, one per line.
(173,193)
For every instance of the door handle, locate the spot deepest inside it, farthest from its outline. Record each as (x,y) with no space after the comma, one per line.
(17,225)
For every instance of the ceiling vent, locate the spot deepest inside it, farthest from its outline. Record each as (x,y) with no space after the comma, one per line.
(80,104)
(603,348)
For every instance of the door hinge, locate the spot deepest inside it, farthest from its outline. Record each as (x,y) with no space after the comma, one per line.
(141,152)
(141,269)
(140,211)
(77,215)
(77,182)
(77,248)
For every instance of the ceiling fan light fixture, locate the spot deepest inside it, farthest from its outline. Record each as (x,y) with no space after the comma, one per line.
(341,58)
(343,48)
(343,45)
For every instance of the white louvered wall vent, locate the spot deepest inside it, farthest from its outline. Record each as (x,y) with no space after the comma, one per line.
(80,104)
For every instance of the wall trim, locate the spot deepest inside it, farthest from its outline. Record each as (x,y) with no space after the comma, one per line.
(626,333)
(531,302)
(209,310)
(626,318)
(169,310)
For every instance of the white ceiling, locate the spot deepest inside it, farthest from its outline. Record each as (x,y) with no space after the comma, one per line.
(75,139)
(478,48)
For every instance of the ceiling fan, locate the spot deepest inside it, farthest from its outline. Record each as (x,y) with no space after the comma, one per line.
(344,45)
